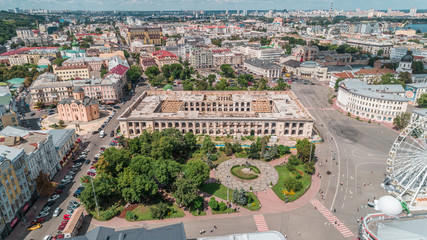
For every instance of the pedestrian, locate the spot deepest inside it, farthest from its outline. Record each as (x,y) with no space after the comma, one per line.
(214,227)
(335,222)
(357,210)
(335,210)
(299,233)
(326,224)
(315,208)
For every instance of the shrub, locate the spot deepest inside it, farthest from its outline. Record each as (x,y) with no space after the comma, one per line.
(130,215)
(213,203)
(111,212)
(250,199)
(214,157)
(298,176)
(159,211)
(239,196)
(292,184)
(222,206)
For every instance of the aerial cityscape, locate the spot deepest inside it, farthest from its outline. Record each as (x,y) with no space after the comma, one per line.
(213,120)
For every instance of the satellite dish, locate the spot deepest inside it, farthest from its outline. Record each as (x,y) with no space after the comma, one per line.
(388,205)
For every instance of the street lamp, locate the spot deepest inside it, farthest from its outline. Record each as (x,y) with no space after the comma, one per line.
(228,178)
(96,202)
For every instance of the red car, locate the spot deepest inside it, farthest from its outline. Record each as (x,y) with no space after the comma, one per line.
(37,220)
(92,167)
(59,236)
(78,140)
(102,148)
(58,191)
(66,217)
(92,174)
(64,222)
(61,227)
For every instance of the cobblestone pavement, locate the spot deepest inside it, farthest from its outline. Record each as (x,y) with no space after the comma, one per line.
(267,177)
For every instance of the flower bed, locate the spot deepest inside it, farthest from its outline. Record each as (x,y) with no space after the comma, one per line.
(237,171)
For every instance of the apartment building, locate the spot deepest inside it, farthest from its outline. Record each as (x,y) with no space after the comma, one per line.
(225,56)
(201,58)
(264,68)
(81,71)
(16,188)
(372,47)
(163,57)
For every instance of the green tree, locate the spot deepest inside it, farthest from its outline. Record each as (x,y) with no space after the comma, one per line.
(134,73)
(213,203)
(262,85)
(422,101)
(187,85)
(283,149)
(185,191)
(303,150)
(282,85)
(222,206)
(292,184)
(127,55)
(253,152)
(104,70)
(39,104)
(160,210)
(152,71)
(221,85)
(208,146)
(418,67)
(388,78)
(405,77)
(401,121)
(227,70)
(113,161)
(239,197)
(106,192)
(228,149)
(197,171)
(380,52)
(337,82)
(211,79)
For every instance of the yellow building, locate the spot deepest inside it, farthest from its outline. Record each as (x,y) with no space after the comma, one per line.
(406,32)
(146,35)
(15,188)
(8,119)
(72,72)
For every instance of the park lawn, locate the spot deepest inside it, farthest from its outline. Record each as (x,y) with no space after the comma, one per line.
(229,210)
(283,174)
(222,158)
(219,190)
(193,212)
(143,213)
(241,154)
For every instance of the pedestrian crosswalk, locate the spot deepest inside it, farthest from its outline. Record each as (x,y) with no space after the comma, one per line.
(260,223)
(332,218)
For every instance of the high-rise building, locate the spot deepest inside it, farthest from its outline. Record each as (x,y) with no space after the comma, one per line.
(238,12)
(412,12)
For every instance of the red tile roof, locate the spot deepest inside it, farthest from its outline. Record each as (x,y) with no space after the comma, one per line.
(119,69)
(371,71)
(163,54)
(220,50)
(24,49)
(345,75)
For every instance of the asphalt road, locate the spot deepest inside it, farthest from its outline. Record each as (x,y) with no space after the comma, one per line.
(93,143)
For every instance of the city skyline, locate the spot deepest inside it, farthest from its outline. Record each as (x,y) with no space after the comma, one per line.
(169,5)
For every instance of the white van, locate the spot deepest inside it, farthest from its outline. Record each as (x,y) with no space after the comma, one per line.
(102,134)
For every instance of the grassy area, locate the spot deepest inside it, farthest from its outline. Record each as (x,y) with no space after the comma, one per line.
(105,215)
(237,171)
(229,210)
(219,190)
(194,212)
(222,158)
(241,154)
(283,174)
(143,213)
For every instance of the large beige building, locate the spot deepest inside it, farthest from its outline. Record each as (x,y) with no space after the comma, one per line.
(218,113)
(81,71)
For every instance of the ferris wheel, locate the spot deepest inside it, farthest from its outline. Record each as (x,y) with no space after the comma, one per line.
(407,163)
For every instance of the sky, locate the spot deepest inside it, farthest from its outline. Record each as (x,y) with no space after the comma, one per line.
(150,5)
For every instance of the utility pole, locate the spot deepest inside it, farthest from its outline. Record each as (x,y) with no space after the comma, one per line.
(96,202)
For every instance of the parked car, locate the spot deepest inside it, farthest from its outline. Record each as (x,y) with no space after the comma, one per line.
(95,132)
(38,220)
(87,161)
(73,202)
(32,114)
(116,107)
(49,204)
(46,209)
(57,212)
(34,227)
(66,217)
(61,186)
(98,155)
(66,181)
(53,197)
(58,191)
(76,194)
(102,134)
(61,227)
(92,174)
(42,214)
(102,148)
(47,237)
(70,212)
(59,236)
(77,165)
(112,134)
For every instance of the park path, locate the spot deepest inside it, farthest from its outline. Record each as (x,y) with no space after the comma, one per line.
(270,203)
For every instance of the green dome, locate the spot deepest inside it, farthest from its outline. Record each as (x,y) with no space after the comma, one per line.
(168,87)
